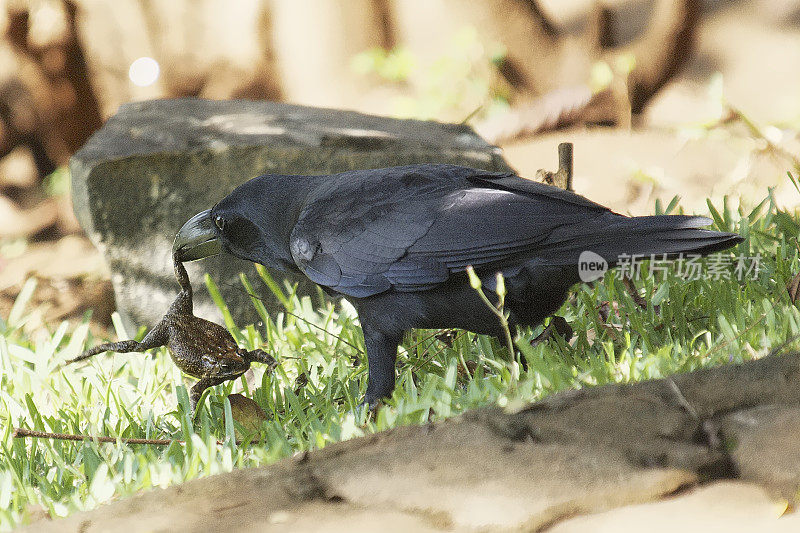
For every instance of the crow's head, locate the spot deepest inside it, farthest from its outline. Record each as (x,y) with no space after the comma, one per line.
(253,222)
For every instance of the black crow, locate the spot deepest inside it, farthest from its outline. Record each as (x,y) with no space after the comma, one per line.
(396,243)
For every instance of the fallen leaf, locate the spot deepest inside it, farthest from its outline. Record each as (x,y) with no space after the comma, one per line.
(247,414)
(793,288)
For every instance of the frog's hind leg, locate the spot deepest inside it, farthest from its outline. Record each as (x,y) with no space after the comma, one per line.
(200,386)
(155,338)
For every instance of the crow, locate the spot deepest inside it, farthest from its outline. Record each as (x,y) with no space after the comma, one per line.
(396,242)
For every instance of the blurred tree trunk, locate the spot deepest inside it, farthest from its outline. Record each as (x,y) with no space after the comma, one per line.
(551,71)
(206,48)
(538,58)
(315,42)
(47,103)
(663,50)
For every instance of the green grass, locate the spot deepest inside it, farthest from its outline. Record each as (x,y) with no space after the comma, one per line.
(699,323)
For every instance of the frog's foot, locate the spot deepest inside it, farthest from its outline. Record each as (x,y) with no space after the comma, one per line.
(198,388)
(260,356)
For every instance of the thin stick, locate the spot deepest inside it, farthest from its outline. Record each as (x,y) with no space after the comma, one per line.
(21,433)
(233,286)
(565,163)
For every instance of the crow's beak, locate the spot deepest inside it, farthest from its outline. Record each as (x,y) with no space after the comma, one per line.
(197,238)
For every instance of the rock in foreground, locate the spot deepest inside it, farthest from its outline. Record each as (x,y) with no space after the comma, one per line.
(663,455)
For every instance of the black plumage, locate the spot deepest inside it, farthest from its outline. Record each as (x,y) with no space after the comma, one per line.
(396,242)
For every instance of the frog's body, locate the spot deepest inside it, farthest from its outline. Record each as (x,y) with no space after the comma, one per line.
(200,348)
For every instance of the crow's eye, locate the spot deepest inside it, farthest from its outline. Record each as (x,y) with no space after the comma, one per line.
(219,222)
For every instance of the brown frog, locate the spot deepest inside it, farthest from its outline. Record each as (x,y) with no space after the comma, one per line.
(200,348)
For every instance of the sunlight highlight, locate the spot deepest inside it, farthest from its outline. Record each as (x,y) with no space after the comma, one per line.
(144,71)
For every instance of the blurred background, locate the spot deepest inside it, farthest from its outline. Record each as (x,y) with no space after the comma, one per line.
(660,97)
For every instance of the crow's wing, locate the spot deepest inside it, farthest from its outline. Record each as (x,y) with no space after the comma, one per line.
(412,227)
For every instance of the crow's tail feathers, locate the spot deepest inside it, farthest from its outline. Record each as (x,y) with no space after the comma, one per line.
(669,235)
(614,236)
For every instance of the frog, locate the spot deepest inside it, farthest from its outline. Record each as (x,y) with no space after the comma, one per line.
(199,348)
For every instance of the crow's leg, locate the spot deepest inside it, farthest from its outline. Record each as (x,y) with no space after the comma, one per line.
(381,355)
(155,338)
(200,386)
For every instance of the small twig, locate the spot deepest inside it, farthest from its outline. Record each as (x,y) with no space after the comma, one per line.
(437,352)
(779,348)
(565,163)
(707,426)
(298,317)
(420,361)
(755,131)
(21,433)
(557,326)
(682,399)
(472,114)
(431,336)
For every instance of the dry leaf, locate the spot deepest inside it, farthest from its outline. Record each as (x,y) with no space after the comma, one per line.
(248,414)
(793,288)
